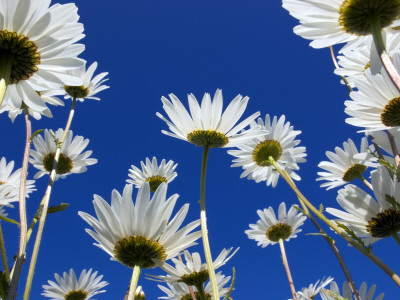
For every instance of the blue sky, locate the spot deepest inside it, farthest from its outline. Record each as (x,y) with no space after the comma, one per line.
(153,48)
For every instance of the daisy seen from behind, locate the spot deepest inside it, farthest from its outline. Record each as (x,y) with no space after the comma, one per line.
(313,289)
(343,166)
(180,291)
(153,173)
(363,291)
(369,218)
(279,143)
(206,125)
(193,272)
(90,85)
(38,44)
(269,229)
(71,160)
(69,287)
(141,234)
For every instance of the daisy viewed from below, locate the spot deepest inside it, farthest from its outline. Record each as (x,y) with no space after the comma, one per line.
(180,291)
(90,86)
(69,287)
(364,293)
(10,181)
(38,46)
(279,143)
(369,218)
(343,167)
(375,104)
(153,173)
(141,233)
(206,125)
(71,160)
(313,289)
(269,229)
(339,21)
(193,272)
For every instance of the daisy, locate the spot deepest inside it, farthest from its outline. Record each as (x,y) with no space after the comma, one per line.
(139,294)
(180,291)
(338,21)
(376,103)
(367,217)
(90,86)
(69,287)
(10,181)
(206,125)
(279,143)
(343,167)
(71,160)
(364,293)
(140,234)
(313,289)
(40,42)
(269,230)
(193,272)
(152,173)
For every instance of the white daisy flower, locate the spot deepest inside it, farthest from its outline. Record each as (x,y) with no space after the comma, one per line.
(313,289)
(69,287)
(269,230)
(90,86)
(338,21)
(40,41)
(153,173)
(10,181)
(71,160)
(344,167)
(376,103)
(279,142)
(364,293)
(180,291)
(366,216)
(206,125)
(141,234)
(193,272)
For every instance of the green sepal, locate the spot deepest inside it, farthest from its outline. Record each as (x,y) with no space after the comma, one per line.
(334,295)
(354,236)
(392,201)
(9,220)
(232,284)
(35,134)
(4,285)
(51,209)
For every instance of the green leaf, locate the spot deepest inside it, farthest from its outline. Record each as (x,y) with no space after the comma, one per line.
(9,220)
(35,134)
(51,209)
(354,236)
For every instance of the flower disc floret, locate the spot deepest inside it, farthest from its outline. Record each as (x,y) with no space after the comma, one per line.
(138,251)
(155,182)
(265,150)
(280,231)
(390,116)
(195,278)
(64,164)
(22,52)
(385,224)
(76,295)
(356,15)
(76,91)
(354,172)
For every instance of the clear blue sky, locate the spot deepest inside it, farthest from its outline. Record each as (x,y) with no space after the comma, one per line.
(153,48)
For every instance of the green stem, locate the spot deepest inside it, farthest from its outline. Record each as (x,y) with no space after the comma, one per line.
(336,228)
(366,182)
(286,265)
(203,221)
(396,237)
(3,254)
(6,62)
(12,293)
(383,55)
(134,282)
(200,291)
(47,194)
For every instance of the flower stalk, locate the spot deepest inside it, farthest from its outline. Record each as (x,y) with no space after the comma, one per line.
(4,254)
(46,201)
(134,282)
(203,221)
(6,62)
(286,265)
